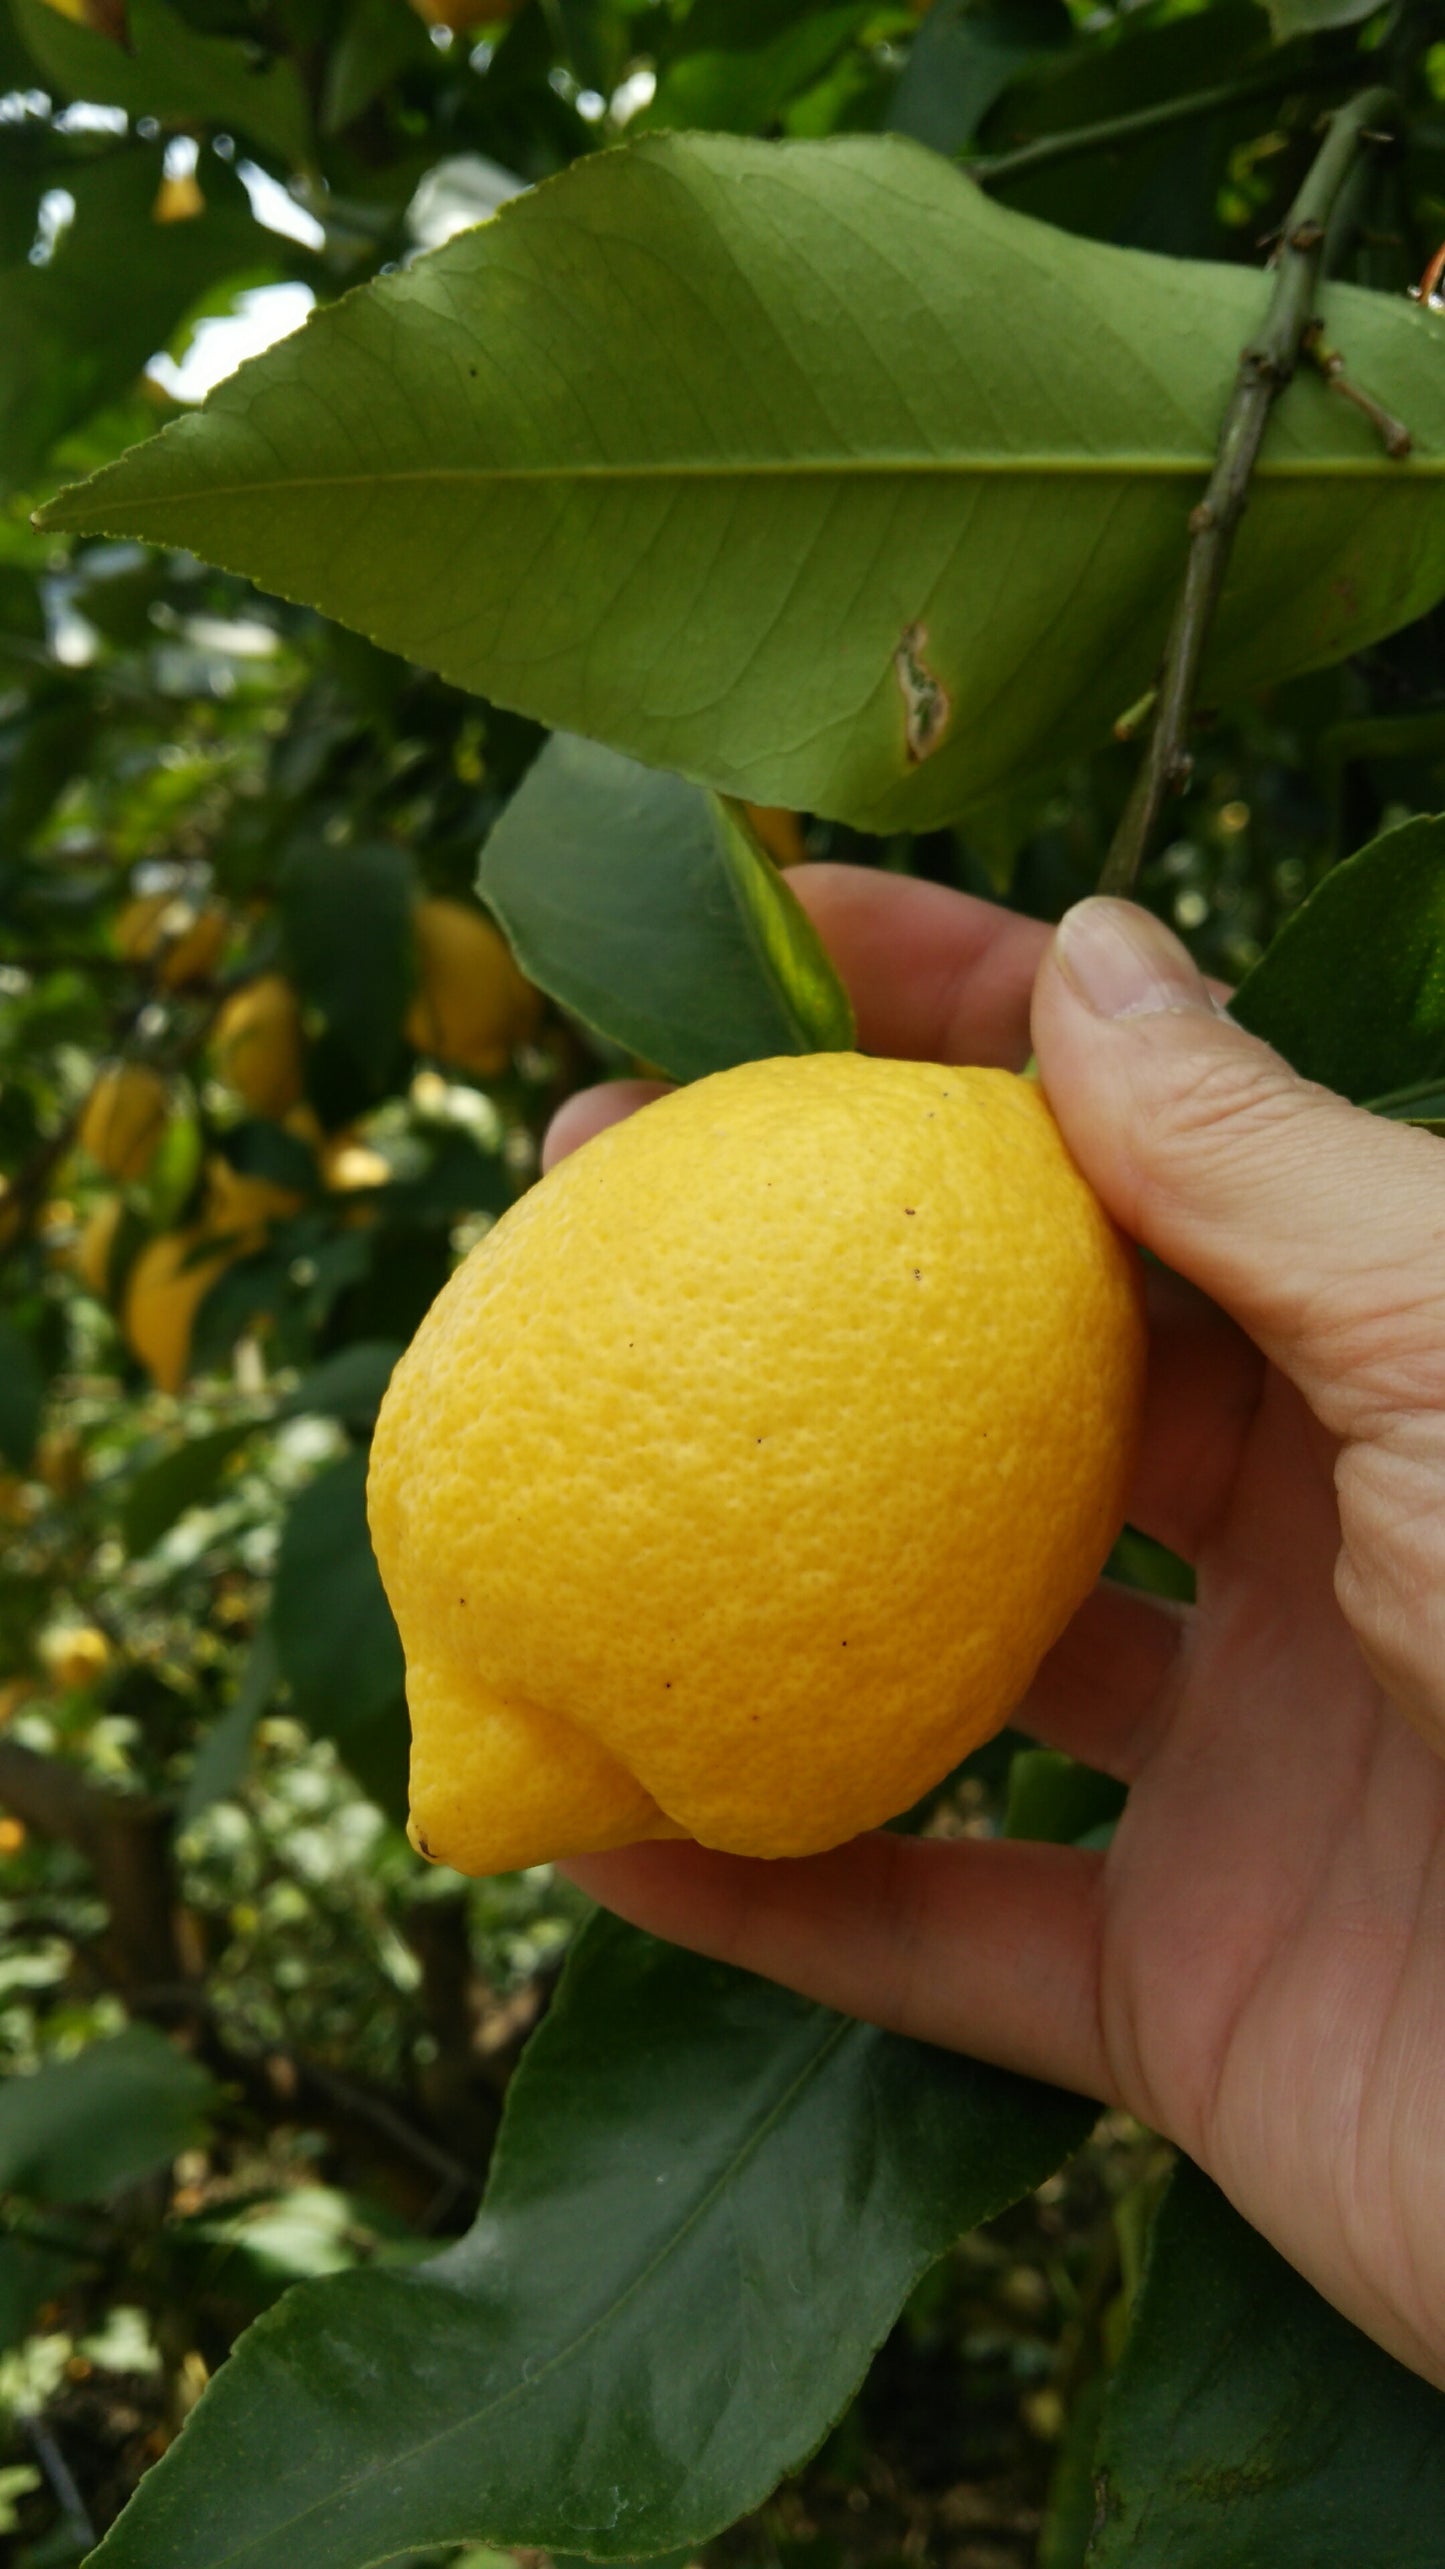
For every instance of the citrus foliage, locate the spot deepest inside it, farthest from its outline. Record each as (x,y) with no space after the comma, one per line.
(824,479)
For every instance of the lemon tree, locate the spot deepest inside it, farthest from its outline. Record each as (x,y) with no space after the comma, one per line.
(727,434)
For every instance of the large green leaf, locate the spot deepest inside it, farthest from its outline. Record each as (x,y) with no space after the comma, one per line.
(800,468)
(77,331)
(1352,991)
(79,2128)
(168,70)
(709,2201)
(185,1478)
(645,906)
(1248,2423)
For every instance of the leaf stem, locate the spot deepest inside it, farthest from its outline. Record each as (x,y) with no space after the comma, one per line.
(1265,367)
(1048,150)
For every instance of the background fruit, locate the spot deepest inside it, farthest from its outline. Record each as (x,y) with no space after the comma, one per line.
(93,1248)
(257,1045)
(164,1291)
(185,941)
(472,1006)
(123,1119)
(762,1549)
(245,1206)
(74,1654)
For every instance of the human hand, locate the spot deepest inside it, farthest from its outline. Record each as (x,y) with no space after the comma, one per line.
(1256,1967)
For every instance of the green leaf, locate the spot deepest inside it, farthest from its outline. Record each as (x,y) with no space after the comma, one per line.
(962,59)
(123,2108)
(180,1480)
(166,69)
(1248,2422)
(647,907)
(802,469)
(348,1385)
(335,1639)
(1352,991)
(29,2277)
(1289,18)
(22,1395)
(737,64)
(1053,1797)
(224,1753)
(78,330)
(709,2201)
(346,913)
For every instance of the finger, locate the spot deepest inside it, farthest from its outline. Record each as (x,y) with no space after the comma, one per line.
(933,975)
(1318,1227)
(591,1111)
(1105,1690)
(983,1947)
(1201,1394)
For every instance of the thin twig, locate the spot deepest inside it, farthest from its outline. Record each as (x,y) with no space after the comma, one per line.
(1265,367)
(997,169)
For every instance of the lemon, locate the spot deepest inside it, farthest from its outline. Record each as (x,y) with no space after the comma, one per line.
(183,939)
(472,1006)
(739,1479)
(123,1119)
(257,1045)
(93,1250)
(164,1290)
(74,1654)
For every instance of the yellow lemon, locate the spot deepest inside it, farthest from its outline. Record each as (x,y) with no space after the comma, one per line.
(739,1479)
(123,1119)
(164,1291)
(183,939)
(472,1006)
(74,1654)
(257,1045)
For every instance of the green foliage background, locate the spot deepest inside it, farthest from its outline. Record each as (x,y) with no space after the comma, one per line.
(253,2041)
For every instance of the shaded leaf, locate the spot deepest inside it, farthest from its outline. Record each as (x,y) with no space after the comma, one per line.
(29,2277)
(781,464)
(78,330)
(81,2128)
(962,59)
(347,914)
(168,70)
(1352,990)
(647,907)
(180,1480)
(735,65)
(22,1395)
(225,1752)
(347,1385)
(335,1639)
(1249,2422)
(709,2202)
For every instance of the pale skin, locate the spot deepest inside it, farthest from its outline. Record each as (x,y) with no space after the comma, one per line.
(1256,1968)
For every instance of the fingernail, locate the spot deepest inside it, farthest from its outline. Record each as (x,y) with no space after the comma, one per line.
(1123,962)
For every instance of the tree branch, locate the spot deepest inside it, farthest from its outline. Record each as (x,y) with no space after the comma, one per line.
(1265,367)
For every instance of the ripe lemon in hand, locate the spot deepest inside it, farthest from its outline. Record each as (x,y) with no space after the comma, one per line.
(739,1479)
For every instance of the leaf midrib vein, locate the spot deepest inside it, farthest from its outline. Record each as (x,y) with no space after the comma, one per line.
(1003,467)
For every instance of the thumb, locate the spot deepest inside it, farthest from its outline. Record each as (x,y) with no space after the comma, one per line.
(1319,1227)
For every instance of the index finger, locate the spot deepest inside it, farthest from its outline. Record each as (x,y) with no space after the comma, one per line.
(934,975)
